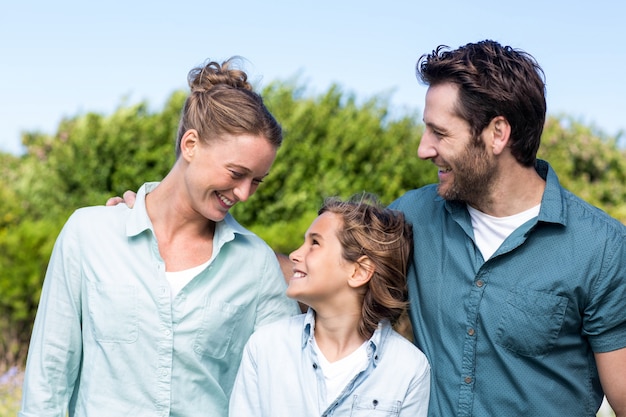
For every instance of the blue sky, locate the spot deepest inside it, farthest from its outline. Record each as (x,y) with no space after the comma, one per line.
(63,58)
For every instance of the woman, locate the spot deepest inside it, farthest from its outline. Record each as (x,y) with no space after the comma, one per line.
(342,357)
(146,311)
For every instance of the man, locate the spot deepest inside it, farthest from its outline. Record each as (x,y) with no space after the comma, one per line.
(517,288)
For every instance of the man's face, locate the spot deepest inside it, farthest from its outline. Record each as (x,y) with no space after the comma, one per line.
(466,169)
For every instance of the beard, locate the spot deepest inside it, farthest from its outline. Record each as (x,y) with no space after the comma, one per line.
(474,174)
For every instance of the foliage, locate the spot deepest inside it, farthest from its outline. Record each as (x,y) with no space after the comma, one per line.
(10,392)
(92,156)
(333,145)
(588,163)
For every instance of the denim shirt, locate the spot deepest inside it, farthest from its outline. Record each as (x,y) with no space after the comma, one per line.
(280,376)
(515,335)
(108,340)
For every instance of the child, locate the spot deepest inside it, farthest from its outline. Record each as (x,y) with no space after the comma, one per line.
(342,357)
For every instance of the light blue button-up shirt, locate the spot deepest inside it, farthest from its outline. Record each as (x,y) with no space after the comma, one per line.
(109,341)
(280,376)
(516,335)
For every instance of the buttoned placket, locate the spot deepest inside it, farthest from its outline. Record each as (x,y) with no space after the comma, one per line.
(470,340)
(165,343)
(317,370)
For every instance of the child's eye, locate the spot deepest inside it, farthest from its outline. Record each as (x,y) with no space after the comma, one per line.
(314,242)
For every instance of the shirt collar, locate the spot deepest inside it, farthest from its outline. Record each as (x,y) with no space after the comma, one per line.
(138,220)
(553,202)
(307,327)
(375,343)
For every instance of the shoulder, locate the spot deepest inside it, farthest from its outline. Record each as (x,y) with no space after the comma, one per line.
(582,212)
(559,205)
(422,195)
(406,352)
(89,218)
(287,328)
(420,203)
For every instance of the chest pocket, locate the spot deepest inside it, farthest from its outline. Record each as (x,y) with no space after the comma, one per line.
(531,322)
(219,321)
(113,313)
(363,406)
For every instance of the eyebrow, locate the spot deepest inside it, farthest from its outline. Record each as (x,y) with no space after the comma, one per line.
(315,236)
(435,126)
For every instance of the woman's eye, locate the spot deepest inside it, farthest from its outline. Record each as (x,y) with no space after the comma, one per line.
(236,174)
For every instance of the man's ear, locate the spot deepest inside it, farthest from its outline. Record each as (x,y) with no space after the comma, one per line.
(188,144)
(363,271)
(500,134)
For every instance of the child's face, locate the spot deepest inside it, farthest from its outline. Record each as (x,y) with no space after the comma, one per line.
(320,272)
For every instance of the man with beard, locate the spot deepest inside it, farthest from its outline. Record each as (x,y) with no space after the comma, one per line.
(517,287)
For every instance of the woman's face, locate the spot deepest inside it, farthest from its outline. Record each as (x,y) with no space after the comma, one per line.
(321,273)
(224,172)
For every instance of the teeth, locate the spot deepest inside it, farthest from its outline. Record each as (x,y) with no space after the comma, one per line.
(226,200)
(298,275)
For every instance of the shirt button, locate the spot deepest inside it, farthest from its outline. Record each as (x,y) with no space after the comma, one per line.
(471,332)
(480,283)
(468,379)
(167,332)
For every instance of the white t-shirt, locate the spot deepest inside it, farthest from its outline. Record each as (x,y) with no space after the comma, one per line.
(179,279)
(490,231)
(339,373)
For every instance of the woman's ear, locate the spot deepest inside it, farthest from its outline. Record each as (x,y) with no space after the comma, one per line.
(188,144)
(363,271)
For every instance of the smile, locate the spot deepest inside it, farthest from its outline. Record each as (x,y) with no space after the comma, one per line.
(298,275)
(227,202)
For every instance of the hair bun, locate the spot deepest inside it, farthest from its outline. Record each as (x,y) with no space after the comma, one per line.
(207,76)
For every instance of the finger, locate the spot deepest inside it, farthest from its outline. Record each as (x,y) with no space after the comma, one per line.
(114,201)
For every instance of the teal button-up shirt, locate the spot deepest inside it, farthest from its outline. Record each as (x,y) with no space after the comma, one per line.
(109,341)
(516,335)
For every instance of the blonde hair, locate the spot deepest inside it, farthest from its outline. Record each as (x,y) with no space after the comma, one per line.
(382,235)
(221,102)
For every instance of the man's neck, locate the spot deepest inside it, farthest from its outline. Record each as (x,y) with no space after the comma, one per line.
(518,189)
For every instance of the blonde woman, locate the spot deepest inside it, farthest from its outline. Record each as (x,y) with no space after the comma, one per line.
(145,311)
